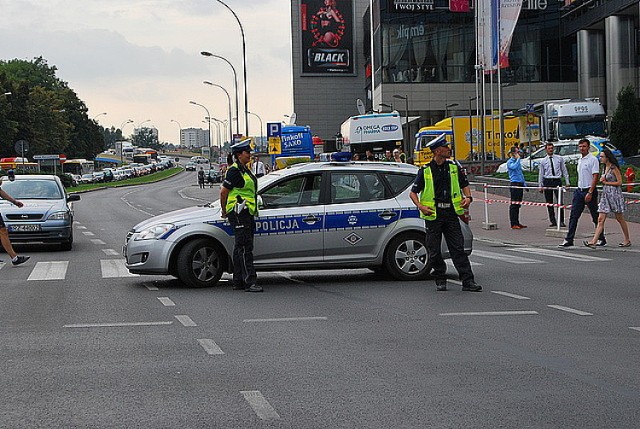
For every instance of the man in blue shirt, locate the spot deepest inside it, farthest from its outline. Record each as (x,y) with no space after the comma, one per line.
(516,177)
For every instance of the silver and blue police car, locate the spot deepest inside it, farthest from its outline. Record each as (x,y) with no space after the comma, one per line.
(324,215)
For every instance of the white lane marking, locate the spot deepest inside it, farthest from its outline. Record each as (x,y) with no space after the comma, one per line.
(492,313)
(450,265)
(210,347)
(510,295)
(558,254)
(98,241)
(2,264)
(634,328)
(259,404)
(511,259)
(88,233)
(182,195)
(570,310)
(285,319)
(115,325)
(80,226)
(149,287)
(112,268)
(110,252)
(53,270)
(287,276)
(124,200)
(166,301)
(185,320)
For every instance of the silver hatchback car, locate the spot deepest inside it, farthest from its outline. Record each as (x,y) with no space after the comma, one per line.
(47,214)
(312,216)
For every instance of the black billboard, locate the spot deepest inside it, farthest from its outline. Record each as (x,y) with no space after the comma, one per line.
(327,45)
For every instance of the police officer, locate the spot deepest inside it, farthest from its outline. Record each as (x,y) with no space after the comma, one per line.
(441,193)
(238,202)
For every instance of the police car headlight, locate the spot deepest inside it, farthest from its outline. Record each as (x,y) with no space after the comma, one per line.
(59,216)
(156,232)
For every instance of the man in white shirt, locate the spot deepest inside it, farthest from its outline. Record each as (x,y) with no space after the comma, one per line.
(585,194)
(257,167)
(551,170)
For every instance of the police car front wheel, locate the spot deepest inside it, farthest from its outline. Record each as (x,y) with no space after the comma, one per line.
(406,257)
(199,263)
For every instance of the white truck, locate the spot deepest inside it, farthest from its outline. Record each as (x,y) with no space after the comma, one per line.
(376,132)
(571,119)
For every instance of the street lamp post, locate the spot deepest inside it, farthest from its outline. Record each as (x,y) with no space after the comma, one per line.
(128,121)
(216,123)
(244,67)
(388,106)
(406,120)
(180,133)
(235,83)
(447,107)
(208,116)
(99,114)
(261,135)
(206,82)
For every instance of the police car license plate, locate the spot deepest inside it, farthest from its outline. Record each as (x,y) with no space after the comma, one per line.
(24,228)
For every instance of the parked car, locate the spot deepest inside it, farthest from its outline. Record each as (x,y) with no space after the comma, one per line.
(213,176)
(47,214)
(568,150)
(312,216)
(87,178)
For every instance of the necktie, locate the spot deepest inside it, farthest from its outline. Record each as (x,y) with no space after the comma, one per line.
(553,170)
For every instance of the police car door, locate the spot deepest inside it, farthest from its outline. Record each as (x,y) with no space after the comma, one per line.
(359,214)
(289,225)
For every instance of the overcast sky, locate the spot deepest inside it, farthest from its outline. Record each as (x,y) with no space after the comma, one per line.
(140,59)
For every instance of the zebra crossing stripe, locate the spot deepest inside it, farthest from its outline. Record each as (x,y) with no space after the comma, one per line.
(97,241)
(53,270)
(559,254)
(2,264)
(110,252)
(512,259)
(114,268)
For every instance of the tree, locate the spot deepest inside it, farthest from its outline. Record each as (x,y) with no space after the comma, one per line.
(145,137)
(624,134)
(43,110)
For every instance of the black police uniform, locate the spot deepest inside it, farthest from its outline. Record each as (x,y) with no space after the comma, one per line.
(446,223)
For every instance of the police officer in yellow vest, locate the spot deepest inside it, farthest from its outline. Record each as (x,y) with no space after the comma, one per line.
(441,193)
(238,201)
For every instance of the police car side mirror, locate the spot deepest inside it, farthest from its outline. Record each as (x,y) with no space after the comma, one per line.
(260,202)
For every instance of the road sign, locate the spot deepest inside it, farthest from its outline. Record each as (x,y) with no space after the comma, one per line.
(274,129)
(46,156)
(22,146)
(275,146)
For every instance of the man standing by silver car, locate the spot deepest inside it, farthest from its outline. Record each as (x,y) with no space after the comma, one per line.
(441,193)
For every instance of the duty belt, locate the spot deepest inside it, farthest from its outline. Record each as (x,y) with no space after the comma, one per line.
(443,205)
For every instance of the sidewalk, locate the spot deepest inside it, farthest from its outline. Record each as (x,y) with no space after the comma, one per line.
(538,232)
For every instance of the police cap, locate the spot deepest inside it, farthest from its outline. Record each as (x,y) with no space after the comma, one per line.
(439,141)
(241,146)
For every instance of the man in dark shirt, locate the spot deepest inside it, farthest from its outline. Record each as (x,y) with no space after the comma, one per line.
(441,193)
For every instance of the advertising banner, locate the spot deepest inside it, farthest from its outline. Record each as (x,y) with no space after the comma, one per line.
(463,136)
(509,13)
(326,27)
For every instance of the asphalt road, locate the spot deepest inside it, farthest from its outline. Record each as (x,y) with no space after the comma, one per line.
(548,344)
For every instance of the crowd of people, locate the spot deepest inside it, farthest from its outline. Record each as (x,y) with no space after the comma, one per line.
(552,172)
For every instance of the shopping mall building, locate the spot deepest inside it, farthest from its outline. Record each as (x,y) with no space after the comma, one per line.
(418,57)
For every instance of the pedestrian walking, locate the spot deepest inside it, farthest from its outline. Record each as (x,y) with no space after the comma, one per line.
(517,184)
(551,170)
(201,178)
(441,193)
(238,203)
(4,233)
(586,194)
(396,156)
(611,200)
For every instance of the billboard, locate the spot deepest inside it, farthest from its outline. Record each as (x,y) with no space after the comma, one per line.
(327,44)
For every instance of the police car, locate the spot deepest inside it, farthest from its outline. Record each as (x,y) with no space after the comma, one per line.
(312,216)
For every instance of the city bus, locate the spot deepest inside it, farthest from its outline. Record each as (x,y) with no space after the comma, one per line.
(78,166)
